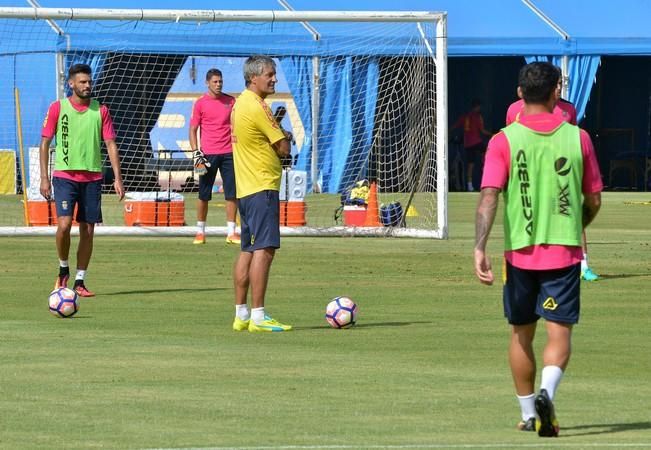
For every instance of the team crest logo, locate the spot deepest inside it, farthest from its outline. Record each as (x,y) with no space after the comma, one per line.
(64,205)
(550,304)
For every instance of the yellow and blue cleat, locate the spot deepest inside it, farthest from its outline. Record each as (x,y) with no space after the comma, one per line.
(240,325)
(268,325)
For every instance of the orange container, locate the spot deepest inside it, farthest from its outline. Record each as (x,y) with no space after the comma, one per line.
(154,214)
(354,216)
(292,214)
(43,213)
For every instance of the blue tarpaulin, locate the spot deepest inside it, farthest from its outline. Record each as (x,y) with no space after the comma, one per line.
(589,30)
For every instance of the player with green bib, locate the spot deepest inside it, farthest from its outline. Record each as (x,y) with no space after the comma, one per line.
(79,124)
(549,177)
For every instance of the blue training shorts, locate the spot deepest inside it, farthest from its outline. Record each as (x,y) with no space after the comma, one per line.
(223,163)
(260,220)
(87,196)
(551,294)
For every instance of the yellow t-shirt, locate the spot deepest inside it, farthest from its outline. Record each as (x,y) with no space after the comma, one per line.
(254,130)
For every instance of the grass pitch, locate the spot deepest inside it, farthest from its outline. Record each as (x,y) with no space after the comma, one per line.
(151,362)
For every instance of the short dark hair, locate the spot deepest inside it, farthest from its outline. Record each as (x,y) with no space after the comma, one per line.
(475,102)
(213,73)
(79,68)
(538,81)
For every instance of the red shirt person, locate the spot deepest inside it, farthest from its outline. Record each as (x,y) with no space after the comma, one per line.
(473,143)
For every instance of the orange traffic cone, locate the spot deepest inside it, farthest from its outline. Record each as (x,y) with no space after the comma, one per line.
(372,211)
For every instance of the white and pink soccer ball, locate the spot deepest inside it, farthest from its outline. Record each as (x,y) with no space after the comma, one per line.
(63,303)
(341,312)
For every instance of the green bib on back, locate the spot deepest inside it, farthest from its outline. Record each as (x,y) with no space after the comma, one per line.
(543,197)
(78,145)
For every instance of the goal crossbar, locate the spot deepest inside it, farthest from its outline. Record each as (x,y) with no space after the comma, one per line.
(212,15)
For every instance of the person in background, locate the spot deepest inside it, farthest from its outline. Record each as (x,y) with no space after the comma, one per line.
(212,115)
(79,123)
(473,141)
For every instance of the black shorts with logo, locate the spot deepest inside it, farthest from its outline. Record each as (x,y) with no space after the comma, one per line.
(551,294)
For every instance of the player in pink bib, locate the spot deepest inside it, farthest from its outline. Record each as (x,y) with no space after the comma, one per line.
(212,115)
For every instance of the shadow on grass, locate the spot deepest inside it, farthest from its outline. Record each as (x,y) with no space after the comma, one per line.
(606,276)
(606,428)
(367,325)
(160,291)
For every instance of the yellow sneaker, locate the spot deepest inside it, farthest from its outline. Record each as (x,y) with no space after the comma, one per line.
(233,238)
(200,238)
(268,325)
(240,325)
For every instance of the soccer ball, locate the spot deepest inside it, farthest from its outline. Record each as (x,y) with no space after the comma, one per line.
(341,312)
(63,303)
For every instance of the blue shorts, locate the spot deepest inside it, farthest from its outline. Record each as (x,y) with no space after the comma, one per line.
(259,215)
(87,196)
(223,163)
(551,294)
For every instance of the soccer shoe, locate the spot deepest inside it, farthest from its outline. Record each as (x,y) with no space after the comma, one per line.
(241,325)
(589,275)
(201,164)
(233,238)
(546,425)
(61,281)
(527,425)
(81,291)
(268,325)
(200,238)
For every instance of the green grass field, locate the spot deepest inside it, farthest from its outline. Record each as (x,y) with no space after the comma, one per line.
(151,362)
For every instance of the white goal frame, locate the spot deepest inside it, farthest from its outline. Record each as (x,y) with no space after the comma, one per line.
(438,55)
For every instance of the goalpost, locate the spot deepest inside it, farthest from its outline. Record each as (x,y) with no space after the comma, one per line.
(365,95)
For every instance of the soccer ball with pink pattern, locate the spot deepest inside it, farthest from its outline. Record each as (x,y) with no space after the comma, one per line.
(63,303)
(341,312)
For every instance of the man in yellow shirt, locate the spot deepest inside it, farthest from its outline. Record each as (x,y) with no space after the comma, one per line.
(258,146)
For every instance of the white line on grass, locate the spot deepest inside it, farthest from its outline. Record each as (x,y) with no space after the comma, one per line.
(555,444)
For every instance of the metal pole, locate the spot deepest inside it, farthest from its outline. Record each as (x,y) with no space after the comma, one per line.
(316,97)
(213,15)
(442,126)
(565,68)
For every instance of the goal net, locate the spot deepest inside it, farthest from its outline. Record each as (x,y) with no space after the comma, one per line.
(364,95)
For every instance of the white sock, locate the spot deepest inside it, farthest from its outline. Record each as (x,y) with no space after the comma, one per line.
(231,227)
(63,263)
(242,312)
(257,315)
(527,406)
(201,227)
(81,274)
(551,377)
(584,262)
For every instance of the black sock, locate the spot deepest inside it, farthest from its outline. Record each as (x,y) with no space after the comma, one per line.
(63,271)
(79,283)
